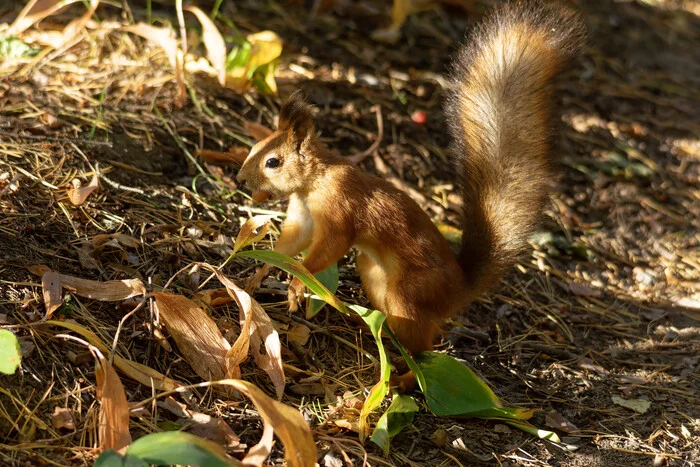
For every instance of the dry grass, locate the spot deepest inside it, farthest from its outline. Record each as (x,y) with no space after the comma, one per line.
(607,304)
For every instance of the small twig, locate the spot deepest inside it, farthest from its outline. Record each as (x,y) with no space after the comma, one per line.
(357,158)
(119,186)
(121,323)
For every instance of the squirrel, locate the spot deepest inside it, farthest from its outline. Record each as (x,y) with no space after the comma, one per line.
(501,118)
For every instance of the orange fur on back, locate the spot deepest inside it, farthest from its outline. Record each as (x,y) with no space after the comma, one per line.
(501,120)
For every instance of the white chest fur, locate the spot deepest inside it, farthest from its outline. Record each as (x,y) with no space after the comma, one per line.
(298,212)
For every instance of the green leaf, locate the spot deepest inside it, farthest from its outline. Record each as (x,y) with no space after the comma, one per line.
(452,388)
(111,458)
(397,417)
(177,447)
(10,354)
(11,47)
(375,320)
(417,372)
(533,430)
(295,268)
(238,56)
(329,278)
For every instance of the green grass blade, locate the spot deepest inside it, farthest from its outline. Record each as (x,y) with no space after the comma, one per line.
(10,353)
(397,417)
(533,430)
(375,320)
(412,365)
(177,447)
(329,278)
(295,268)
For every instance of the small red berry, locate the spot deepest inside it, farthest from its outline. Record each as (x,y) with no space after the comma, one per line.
(419,117)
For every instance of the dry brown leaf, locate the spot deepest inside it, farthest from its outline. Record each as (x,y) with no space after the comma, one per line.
(77,194)
(34,12)
(257,454)
(212,297)
(75,26)
(247,236)
(299,334)
(51,287)
(213,41)
(62,417)
(87,256)
(257,131)
(108,291)
(288,423)
(195,334)
(235,155)
(163,37)
(120,238)
(256,328)
(136,371)
(113,425)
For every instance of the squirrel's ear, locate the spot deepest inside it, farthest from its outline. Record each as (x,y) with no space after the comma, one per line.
(296,118)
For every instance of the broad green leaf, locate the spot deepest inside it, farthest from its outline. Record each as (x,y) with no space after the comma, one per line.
(375,320)
(111,458)
(329,278)
(397,417)
(10,353)
(265,47)
(295,268)
(452,388)
(176,447)
(533,430)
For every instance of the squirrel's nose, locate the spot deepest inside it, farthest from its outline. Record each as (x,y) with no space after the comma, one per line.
(241,179)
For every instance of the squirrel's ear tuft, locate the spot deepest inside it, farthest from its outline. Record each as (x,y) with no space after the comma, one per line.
(296,118)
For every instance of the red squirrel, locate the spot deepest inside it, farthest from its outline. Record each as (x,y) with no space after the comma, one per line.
(500,113)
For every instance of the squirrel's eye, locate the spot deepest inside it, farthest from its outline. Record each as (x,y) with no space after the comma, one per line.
(272,162)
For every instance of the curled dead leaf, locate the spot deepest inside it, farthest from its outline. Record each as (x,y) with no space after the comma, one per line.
(195,334)
(287,422)
(164,38)
(34,12)
(247,236)
(77,194)
(213,41)
(108,291)
(62,417)
(113,425)
(51,287)
(257,131)
(256,329)
(235,156)
(299,334)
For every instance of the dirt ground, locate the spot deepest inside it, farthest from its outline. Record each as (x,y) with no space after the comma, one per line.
(605,309)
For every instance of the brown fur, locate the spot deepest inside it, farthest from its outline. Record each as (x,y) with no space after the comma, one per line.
(501,120)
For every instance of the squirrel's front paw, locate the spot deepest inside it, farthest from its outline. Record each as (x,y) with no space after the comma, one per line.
(294,294)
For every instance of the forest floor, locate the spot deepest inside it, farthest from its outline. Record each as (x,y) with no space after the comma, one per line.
(603,313)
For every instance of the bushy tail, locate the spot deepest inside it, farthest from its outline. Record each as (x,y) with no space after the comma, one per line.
(501,119)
